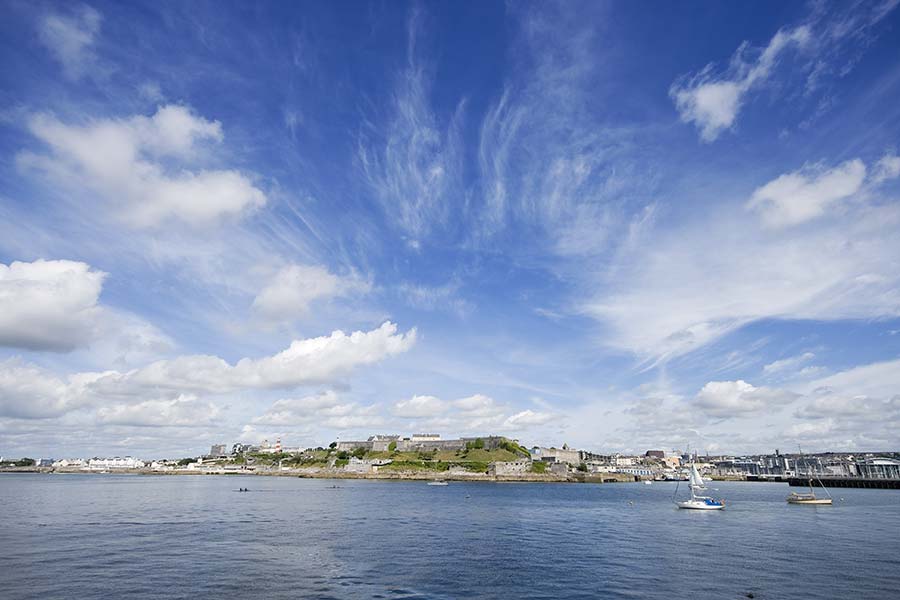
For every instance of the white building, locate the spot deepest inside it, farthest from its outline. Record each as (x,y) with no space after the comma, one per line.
(69,463)
(101,464)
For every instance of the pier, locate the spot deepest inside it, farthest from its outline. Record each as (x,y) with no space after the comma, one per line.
(848,482)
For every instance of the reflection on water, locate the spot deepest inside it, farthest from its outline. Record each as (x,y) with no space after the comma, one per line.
(109,536)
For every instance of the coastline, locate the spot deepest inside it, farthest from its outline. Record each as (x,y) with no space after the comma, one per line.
(336,474)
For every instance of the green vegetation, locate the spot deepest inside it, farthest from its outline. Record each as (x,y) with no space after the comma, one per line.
(22,462)
(332,445)
(478,444)
(538,467)
(392,447)
(514,448)
(186,461)
(582,468)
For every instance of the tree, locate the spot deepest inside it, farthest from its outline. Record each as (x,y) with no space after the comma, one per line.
(479,444)
(343,455)
(582,467)
(359,452)
(332,445)
(392,447)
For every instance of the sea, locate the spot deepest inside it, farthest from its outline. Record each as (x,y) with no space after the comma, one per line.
(82,536)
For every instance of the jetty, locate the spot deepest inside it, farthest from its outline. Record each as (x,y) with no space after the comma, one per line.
(849,482)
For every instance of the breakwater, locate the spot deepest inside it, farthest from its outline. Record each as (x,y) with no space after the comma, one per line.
(849,482)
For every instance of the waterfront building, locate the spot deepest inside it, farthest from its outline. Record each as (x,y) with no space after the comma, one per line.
(102,464)
(557,455)
(513,467)
(218,450)
(879,468)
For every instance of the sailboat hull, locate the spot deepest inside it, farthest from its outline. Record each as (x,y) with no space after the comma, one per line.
(826,501)
(700,505)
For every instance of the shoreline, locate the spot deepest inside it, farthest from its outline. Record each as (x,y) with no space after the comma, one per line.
(334,474)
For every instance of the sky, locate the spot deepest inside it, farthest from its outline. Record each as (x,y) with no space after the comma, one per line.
(620,226)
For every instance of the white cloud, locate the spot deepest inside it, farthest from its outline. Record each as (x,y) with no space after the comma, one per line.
(888,167)
(881,379)
(478,405)
(690,285)
(739,398)
(476,414)
(27,391)
(804,195)
(419,406)
(53,305)
(792,363)
(444,297)
(293,288)
(184,411)
(713,102)
(71,39)
(309,361)
(301,416)
(528,418)
(141,166)
(414,168)
(48,304)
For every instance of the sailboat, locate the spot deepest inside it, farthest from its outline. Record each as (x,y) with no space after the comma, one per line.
(696,501)
(809,497)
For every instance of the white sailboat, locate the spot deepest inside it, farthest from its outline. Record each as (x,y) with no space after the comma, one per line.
(810,497)
(696,501)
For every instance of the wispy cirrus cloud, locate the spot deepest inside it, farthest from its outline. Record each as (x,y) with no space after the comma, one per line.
(70,38)
(713,98)
(413,163)
(713,102)
(837,270)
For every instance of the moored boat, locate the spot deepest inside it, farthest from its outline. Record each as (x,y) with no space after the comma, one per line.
(810,497)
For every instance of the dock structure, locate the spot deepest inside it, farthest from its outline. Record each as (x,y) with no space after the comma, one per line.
(849,482)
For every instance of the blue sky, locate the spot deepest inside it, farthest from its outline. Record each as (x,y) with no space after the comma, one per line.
(619,226)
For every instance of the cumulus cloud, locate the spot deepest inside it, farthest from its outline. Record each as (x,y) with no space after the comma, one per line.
(289,293)
(309,361)
(53,305)
(174,386)
(473,414)
(419,406)
(801,196)
(326,409)
(141,166)
(70,39)
(184,411)
(739,398)
(28,392)
(48,304)
(712,101)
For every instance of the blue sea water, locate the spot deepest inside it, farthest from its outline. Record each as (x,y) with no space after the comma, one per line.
(138,537)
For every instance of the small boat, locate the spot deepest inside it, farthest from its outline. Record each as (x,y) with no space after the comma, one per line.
(810,496)
(696,501)
(804,498)
(648,482)
(437,482)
